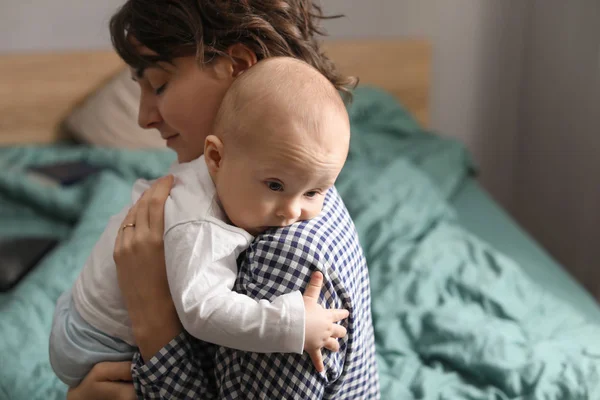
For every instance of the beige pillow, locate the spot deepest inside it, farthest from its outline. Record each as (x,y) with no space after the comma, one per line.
(108,117)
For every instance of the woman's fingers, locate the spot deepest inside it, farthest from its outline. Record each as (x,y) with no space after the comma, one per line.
(151,208)
(113,371)
(102,391)
(156,211)
(131,214)
(125,235)
(141,214)
(145,218)
(106,381)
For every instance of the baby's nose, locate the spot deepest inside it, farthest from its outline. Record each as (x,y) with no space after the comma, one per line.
(289,212)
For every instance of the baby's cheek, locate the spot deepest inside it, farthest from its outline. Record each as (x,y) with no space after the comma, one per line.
(320,208)
(266,213)
(255,211)
(313,211)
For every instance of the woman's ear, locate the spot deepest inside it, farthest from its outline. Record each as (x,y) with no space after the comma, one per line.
(213,154)
(243,58)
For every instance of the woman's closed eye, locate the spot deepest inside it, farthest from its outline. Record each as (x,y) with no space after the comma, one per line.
(157,79)
(159,90)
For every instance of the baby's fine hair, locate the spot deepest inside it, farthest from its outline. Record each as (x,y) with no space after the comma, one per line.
(278,84)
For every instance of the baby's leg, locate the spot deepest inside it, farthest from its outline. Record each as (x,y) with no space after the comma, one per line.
(76,346)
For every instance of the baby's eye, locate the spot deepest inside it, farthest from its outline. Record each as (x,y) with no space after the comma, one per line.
(311,194)
(275,186)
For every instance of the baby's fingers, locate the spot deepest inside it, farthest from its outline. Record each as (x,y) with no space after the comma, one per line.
(338,314)
(332,344)
(317,359)
(338,331)
(313,290)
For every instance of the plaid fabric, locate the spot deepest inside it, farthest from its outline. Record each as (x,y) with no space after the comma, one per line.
(280,261)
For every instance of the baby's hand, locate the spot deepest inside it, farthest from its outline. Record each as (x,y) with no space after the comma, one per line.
(320,329)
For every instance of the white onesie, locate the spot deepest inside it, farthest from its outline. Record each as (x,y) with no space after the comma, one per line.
(201,249)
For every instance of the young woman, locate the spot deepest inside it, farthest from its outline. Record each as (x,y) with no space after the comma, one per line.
(185,54)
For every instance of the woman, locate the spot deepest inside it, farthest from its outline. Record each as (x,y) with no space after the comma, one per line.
(184,55)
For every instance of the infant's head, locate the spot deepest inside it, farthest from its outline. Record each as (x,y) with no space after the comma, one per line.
(279,142)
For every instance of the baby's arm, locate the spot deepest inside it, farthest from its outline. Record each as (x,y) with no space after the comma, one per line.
(201,268)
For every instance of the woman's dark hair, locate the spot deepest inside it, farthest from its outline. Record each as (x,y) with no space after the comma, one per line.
(207,28)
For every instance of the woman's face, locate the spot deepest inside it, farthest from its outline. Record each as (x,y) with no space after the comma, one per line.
(181,100)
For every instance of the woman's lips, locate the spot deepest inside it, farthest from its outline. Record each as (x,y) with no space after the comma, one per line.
(171,139)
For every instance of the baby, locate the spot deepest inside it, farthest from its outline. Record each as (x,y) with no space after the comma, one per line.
(279,141)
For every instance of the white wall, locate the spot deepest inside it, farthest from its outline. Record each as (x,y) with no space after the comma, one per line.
(557,186)
(55,24)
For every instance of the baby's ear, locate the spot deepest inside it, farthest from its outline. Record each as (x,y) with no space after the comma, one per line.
(213,153)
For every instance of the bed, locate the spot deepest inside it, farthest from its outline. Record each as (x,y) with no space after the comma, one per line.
(466,305)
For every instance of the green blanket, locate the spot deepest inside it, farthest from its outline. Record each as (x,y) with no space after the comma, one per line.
(454,319)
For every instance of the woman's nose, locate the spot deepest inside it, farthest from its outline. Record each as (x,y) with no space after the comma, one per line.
(148,114)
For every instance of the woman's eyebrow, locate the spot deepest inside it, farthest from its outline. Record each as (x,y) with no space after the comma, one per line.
(140,71)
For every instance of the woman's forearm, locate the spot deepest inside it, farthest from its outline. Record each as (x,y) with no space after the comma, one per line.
(154,330)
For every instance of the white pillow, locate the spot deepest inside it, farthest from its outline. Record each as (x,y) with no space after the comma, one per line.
(108,117)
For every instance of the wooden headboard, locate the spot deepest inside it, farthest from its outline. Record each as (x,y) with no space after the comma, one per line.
(39,90)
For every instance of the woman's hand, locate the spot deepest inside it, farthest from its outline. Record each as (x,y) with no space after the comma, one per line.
(106,381)
(140,258)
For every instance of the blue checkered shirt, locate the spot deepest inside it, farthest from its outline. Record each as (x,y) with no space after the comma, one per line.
(277,262)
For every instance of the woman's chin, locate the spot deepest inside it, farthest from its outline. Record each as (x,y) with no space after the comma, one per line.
(172,142)
(184,155)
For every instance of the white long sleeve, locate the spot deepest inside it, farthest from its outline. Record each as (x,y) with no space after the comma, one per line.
(201,269)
